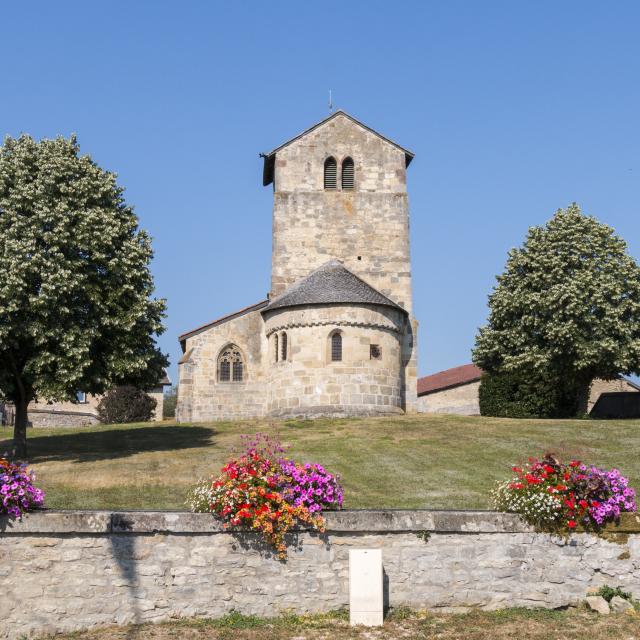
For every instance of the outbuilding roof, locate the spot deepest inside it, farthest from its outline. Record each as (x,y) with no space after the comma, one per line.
(332,283)
(269,158)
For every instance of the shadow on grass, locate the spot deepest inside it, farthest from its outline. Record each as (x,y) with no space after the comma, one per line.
(109,444)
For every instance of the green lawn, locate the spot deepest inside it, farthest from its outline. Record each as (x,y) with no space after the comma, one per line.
(426,461)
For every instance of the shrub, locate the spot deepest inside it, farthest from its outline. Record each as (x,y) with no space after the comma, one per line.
(126,404)
(526,395)
(17,491)
(550,494)
(268,493)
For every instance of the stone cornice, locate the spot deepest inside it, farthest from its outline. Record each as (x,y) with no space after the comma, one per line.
(347,521)
(334,323)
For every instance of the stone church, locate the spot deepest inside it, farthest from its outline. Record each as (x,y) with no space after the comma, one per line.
(336,335)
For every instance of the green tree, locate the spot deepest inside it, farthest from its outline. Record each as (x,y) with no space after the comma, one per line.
(75,285)
(566,308)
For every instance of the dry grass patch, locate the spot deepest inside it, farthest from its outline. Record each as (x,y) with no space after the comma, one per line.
(524,624)
(423,461)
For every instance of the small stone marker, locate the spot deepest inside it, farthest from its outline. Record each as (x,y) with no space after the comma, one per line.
(620,605)
(365,587)
(599,604)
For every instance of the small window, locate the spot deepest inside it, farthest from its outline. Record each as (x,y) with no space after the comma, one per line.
(81,397)
(375,353)
(275,341)
(230,365)
(330,173)
(336,347)
(283,340)
(347,174)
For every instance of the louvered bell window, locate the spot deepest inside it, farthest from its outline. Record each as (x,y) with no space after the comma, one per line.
(348,179)
(330,173)
(283,340)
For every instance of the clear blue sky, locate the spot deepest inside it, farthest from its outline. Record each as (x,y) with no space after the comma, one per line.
(512,108)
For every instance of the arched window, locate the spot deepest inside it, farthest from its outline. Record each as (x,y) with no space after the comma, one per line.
(230,365)
(275,342)
(283,342)
(348,179)
(330,173)
(336,347)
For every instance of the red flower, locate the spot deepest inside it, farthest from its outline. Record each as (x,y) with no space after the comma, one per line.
(574,463)
(572,524)
(583,503)
(516,469)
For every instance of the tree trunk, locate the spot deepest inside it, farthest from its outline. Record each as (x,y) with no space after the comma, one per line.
(20,429)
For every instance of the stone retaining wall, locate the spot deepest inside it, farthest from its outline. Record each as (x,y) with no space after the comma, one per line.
(63,571)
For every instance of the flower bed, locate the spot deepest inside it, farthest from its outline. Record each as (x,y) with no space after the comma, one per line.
(17,491)
(550,494)
(269,493)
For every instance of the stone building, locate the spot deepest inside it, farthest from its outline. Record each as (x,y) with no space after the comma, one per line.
(336,335)
(457,391)
(451,391)
(83,411)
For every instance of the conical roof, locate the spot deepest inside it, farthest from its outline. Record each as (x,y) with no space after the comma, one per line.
(332,283)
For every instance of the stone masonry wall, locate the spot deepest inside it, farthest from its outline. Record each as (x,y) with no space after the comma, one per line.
(462,400)
(366,228)
(309,383)
(65,571)
(200,396)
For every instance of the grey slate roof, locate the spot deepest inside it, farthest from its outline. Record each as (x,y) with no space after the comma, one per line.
(332,283)
(269,158)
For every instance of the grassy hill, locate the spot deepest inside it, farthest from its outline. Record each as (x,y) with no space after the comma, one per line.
(426,461)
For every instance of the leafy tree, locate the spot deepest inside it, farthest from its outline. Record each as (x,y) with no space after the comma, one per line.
(566,308)
(126,404)
(75,284)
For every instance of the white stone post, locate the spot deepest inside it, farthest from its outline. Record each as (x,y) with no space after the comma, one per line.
(365,587)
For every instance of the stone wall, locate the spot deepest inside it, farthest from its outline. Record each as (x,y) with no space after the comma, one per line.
(72,414)
(63,571)
(462,400)
(201,396)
